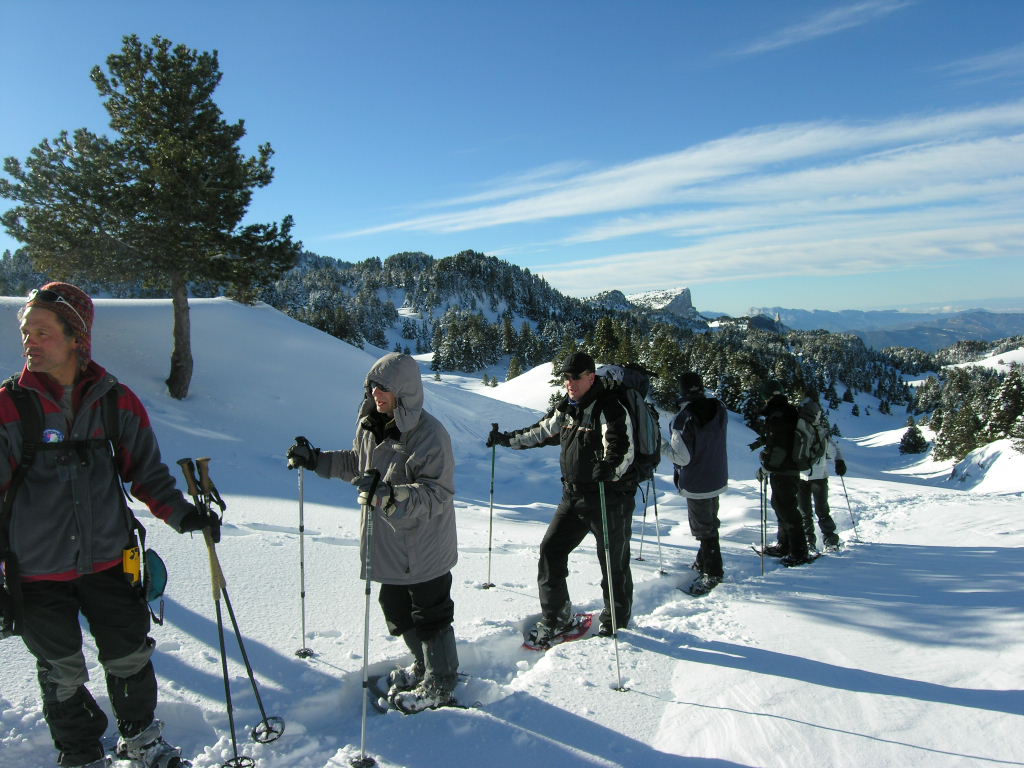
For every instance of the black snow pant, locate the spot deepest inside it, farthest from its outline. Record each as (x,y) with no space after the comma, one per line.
(784,502)
(816,492)
(118,620)
(427,607)
(578,514)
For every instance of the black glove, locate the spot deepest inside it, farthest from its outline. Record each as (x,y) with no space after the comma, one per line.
(194,520)
(840,467)
(603,472)
(302,454)
(366,481)
(497,438)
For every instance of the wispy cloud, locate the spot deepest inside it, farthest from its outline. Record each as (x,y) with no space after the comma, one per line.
(790,199)
(823,24)
(1001,64)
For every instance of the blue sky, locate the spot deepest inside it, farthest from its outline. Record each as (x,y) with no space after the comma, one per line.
(818,155)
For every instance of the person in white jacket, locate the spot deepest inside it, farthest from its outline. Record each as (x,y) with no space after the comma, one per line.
(813,489)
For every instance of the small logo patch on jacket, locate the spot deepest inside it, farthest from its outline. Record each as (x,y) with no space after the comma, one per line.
(53,436)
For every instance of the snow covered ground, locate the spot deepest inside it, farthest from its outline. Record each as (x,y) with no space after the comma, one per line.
(905,649)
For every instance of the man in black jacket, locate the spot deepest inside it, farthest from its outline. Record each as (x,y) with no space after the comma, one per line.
(594,432)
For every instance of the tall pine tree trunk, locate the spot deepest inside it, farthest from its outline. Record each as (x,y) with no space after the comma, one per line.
(181,354)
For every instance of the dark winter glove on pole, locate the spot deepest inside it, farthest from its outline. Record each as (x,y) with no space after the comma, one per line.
(302,454)
(497,438)
(840,467)
(200,521)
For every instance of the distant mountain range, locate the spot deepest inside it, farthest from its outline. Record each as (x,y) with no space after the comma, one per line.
(929,331)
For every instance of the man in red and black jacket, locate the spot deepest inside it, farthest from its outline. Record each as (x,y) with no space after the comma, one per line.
(596,437)
(67,526)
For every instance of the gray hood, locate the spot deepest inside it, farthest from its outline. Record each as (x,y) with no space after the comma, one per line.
(401,375)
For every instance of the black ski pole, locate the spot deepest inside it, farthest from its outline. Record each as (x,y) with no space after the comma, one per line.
(611,587)
(490,519)
(269,728)
(763,481)
(853,521)
(364,760)
(657,523)
(643,525)
(304,652)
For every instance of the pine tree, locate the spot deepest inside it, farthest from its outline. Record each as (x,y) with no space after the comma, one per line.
(1007,406)
(514,368)
(913,440)
(163,201)
(959,435)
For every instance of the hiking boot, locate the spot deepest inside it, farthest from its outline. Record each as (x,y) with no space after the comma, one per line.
(703,584)
(606,629)
(774,550)
(149,749)
(833,543)
(405,678)
(431,693)
(544,635)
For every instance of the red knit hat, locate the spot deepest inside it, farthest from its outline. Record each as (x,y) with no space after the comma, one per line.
(73,306)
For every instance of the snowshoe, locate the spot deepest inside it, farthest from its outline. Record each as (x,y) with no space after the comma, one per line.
(773,550)
(103,762)
(833,545)
(542,637)
(702,585)
(148,749)
(791,561)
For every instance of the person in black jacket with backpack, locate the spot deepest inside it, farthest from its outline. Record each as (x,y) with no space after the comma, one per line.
(66,527)
(778,432)
(595,434)
(700,461)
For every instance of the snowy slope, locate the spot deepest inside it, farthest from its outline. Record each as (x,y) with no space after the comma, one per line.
(903,650)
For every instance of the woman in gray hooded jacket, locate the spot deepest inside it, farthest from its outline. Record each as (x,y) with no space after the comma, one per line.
(414,545)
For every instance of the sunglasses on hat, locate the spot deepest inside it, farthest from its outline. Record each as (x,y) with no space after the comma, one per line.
(52,297)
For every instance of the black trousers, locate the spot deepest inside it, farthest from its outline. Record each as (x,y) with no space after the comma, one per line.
(578,514)
(118,620)
(784,502)
(815,492)
(426,607)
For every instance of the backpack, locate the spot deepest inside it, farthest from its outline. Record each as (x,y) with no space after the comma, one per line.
(631,384)
(810,438)
(793,444)
(149,573)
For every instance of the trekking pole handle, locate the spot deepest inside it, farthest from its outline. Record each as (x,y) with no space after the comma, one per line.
(209,489)
(375,474)
(203,465)
(188,468)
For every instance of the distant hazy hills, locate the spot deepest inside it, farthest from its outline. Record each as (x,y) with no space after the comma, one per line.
(929,331)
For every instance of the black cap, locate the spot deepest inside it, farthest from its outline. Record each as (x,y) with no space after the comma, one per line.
(577,364)
(692,384)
